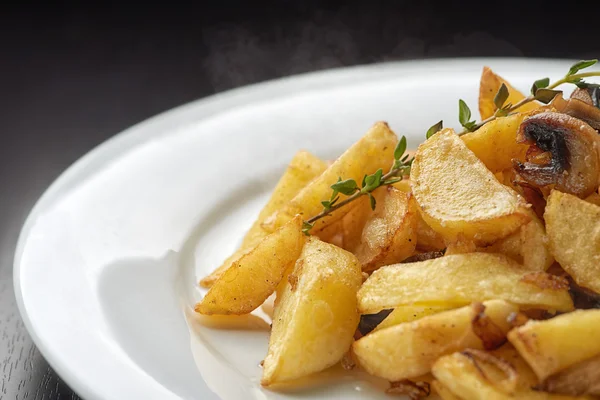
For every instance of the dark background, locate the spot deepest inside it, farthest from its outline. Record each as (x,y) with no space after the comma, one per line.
(72,76)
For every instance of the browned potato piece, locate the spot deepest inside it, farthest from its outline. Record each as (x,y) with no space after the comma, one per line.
(356,218)
(373,151)
(495,143)
(553,345)
(250,280)
(582,378)
(461,279)
(315,317)
(443,391)
(409,350)
(458,195)
(303,168)
(488,87)
(389,235)
(410,313)
(502,375)
(573,227)
(528,246)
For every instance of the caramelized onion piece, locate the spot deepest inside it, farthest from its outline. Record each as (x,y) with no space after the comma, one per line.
(508,385)
(578,380)
(581,107)
(589,95)
(414,390)
(485,329)
(574,153)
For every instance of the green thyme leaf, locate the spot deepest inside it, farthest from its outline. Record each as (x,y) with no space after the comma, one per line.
(546,95)
(306,227)
(579,65)
(539,84)
(501,96)
(435,128)
(372,182)
(464,116)
(392,181)
(347,187)
(400,148)
(372,201)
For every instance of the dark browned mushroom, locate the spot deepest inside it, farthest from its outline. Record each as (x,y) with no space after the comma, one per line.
(565,153)
(583,104)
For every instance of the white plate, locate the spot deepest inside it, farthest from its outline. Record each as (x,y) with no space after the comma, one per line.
(106,264)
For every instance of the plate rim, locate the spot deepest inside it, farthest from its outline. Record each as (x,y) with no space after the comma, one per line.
(133,136)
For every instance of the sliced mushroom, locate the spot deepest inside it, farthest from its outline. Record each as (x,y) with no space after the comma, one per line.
(565,153)
(589,95)
(582,105)
(578,380)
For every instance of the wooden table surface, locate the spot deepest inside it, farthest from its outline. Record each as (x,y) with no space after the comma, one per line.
(72,77)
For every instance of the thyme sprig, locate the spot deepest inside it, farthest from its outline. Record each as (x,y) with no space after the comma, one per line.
(541,91)
(350,188)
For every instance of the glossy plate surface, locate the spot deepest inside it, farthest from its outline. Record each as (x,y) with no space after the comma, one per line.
(107,262)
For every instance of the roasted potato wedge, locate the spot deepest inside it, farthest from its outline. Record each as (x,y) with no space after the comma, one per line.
(528,246)
(354,221)
(316,317)
(553,345)
(389,235)
(409,350)
(303,168)
(373,151)
(495,143)
(410,313)
(250,280)
(443,391)
(573,227)
(459,196)
(488,87)
(461,279)
(580,379)
(475,375)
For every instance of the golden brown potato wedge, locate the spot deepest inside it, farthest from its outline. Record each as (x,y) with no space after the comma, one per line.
(461,279)
(443,391)
(389,235)
(495,143)
(528,246)
(409,350)
(373,151)
(250,280)
(573,227)
(303,168)
(354,221)
(459,196)
(316,317)
(580,379)
(410,313)
(488,87)
(553,345)
(475,375)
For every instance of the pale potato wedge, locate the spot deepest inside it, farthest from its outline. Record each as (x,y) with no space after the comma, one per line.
(459,196)
(528,246)
(403,185)
(411,313)
(409,350)
(469,376)
(389,235)
(488,87)
(354,221)
(553,345)
(373,151)
(332,233)
(250,280)
(573,227)
(495,143)
(461,279)
(303,168)
(443,392)
(316,316)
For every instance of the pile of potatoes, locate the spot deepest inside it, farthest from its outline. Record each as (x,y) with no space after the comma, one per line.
(477,276)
